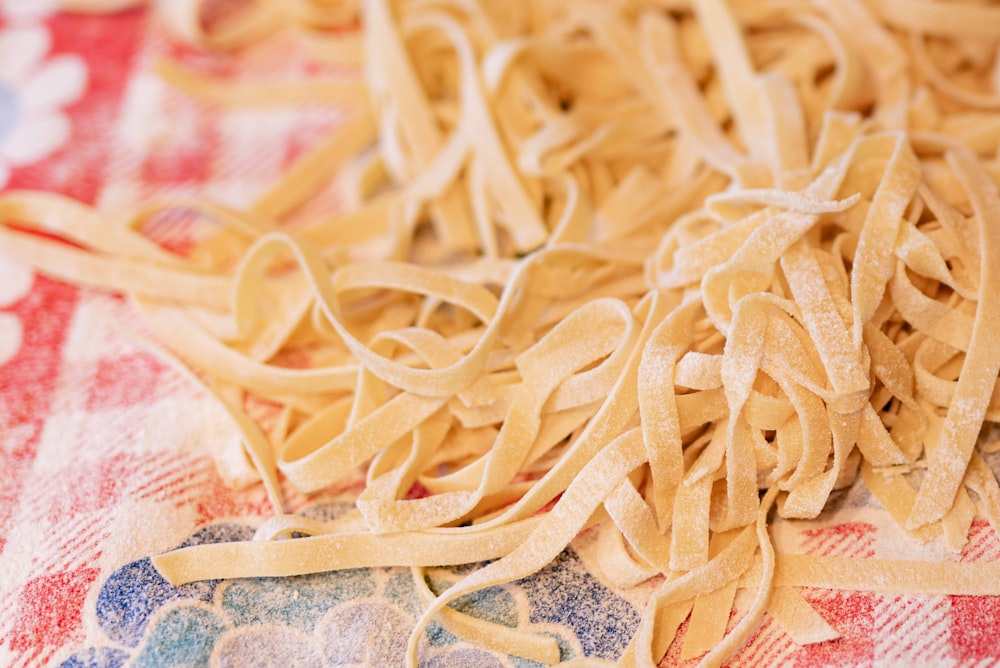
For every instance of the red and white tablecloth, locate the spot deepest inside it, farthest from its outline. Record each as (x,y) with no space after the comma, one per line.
(105,452)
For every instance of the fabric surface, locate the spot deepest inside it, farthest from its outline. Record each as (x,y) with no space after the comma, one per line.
(105,452)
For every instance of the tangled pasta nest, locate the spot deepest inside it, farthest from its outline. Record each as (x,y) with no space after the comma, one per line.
(658,267)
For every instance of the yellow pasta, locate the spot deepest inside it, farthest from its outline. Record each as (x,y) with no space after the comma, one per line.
(661,268)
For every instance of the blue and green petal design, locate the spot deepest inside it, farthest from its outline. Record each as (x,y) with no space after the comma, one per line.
(317,620)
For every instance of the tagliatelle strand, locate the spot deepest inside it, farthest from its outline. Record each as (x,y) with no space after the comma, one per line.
(339,550)
(948,461)
(496,637)
(555,530)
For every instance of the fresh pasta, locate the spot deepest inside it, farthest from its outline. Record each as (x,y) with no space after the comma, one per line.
(656,268)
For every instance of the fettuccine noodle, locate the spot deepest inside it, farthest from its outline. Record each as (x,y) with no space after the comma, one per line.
(658,268)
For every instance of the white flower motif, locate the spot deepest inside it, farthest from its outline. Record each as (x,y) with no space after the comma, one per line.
(33,91)
(27,9)
(15,284)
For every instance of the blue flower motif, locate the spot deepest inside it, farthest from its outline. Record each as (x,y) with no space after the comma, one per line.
(463,657)
(565,593)
(135,591)
(97,657)
(361,616)
(267,645)
(34,90)
(400,591)
(297,602)
(182,636)
(9,110)
(493,604)
(381,628)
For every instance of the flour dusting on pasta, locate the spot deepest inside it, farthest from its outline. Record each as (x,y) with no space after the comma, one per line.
(660,269)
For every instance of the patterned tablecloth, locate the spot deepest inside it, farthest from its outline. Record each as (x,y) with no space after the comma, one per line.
(105,452)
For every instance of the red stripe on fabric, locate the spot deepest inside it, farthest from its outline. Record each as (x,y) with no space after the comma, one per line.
(82,549)
(27,381)
(168,490)
(757,645)
(124,380)
(935,645)
(850,539)
(65,537)
(982,541)
(974,627)
(26,386)
(49,610)
(184,149)
(91,486)
(915,618)
(175,489)
(164,469)
(975,552)
(45,655)
(78,551)
(94,485)
(32,658)
(824,543)
(851,613)
(219,500)
(779,648)
(899,614)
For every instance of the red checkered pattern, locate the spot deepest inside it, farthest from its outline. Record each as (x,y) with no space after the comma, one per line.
(104,450)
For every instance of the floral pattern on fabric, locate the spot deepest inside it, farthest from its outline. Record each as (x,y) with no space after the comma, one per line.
(19,10)
(345,618)
(15,284)
(34,90)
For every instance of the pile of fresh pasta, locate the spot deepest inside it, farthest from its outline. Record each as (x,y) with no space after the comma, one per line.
(656,269)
